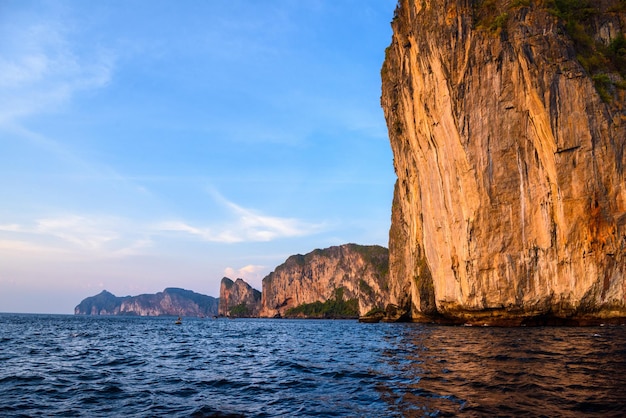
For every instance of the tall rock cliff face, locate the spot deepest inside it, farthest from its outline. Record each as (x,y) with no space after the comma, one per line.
(238,299)
(510,201)
(362,272)
(172,301)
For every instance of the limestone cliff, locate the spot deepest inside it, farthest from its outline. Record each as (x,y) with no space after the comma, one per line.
(507,124)
(238,299)
(354,272)
(172,301)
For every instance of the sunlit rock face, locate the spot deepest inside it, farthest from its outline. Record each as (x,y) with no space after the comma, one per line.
(172,301)
(238,299)
(510,201)
(362,272)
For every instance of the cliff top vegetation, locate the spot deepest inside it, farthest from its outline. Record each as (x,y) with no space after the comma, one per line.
(604,61)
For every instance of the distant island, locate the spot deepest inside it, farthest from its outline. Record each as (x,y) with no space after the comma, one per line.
(171,301)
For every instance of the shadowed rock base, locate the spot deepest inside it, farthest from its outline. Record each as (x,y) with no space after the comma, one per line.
(497,318)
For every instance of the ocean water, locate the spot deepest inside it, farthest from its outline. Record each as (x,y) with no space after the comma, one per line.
(55,365)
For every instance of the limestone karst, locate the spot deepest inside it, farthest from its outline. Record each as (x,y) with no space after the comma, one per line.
(238,299)
(508,129)
(360,271)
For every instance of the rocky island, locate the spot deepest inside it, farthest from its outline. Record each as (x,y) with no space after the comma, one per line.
(507,122)
(172,301)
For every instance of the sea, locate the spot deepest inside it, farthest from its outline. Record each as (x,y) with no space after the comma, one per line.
(82,366)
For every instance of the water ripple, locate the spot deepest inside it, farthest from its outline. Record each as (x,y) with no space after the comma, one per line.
(136,367)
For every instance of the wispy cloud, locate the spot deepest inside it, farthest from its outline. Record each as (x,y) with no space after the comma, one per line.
(89,237)
(247,225)
(46,71)
(73,236)
(82,232)
(16,247)
(10,227)
(205,233)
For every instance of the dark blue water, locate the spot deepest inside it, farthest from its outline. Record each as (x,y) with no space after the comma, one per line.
(115,366)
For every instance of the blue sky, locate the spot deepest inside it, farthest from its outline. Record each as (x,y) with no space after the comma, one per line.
(149,144)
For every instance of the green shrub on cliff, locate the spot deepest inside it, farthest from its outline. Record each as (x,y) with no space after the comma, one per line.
(365,288)
(596,58)
(617,53)
(499,22)
(376,256)
(239,311)
(332,308)
(604,64)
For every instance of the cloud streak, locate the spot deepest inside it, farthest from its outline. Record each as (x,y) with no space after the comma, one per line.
(73,237)
(247,226)
(45,72)
(88,237)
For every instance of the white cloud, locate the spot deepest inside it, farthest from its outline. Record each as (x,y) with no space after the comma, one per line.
(78,230)
(14,248)
(74,237)
(206,234)
(248,226)
(251,274)
(266,228)
(10,227)
(22,70)
(248,272)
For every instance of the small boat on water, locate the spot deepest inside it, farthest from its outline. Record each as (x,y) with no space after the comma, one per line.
(178,321)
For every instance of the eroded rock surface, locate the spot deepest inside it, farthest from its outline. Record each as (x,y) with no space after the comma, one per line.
(361,271)
(510,202)
(238,299)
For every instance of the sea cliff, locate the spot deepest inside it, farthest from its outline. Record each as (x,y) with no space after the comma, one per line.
(350,273)
(238,299)
(507,124)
